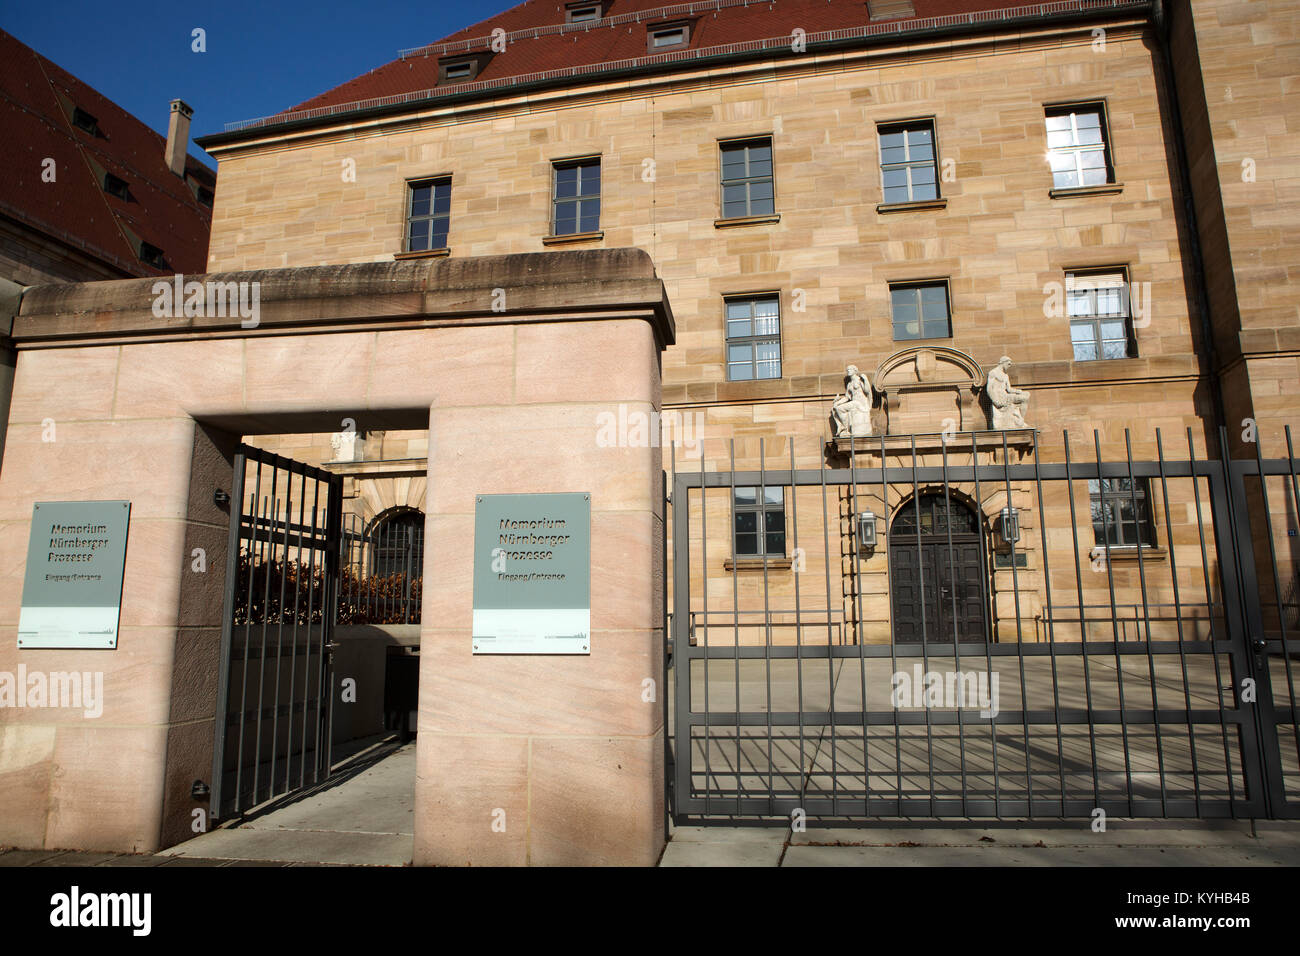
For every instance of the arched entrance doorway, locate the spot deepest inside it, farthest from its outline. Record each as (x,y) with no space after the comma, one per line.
(936,556)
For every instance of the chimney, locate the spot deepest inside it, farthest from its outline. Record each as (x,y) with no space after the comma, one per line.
(178,137)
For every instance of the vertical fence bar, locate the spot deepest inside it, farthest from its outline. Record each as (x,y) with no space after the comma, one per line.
(798,620)
(1020,637)
(248,635)
(1083,624)
(1138,526)
(1178,619)
(1214,643)
(1051,618)
(830,659)
(233,538)
(1114,614)
(311,598)
(279,629)
(767,619)
(953,575)
(704,580)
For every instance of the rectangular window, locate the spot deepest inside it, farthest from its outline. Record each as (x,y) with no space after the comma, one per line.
(584,13)
(748,188)
(1121,515)
(920,311)
(576,199)
(753,338)
(1100,324)
(428,216)
(759,522)
(1076,146)
(907,162)
(667,36)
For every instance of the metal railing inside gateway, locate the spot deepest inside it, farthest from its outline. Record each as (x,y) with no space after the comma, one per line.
(381,571)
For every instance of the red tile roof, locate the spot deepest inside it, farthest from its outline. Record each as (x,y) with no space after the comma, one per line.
(36,99)
(538,42)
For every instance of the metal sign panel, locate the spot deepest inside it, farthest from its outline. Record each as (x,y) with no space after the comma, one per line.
(532,574)
(72,591)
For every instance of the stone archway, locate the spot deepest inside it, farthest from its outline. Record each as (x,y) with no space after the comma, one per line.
(939,574)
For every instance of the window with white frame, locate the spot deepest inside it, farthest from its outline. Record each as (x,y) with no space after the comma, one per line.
(748,187)
(753,338)
(1101,326)
(1077,149)
(907,162)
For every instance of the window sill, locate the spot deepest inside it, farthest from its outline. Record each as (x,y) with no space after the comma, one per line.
(939,203)
(756,564)
(1131,552)
(746,220)
(422,254)
(573,237)
(1109,189)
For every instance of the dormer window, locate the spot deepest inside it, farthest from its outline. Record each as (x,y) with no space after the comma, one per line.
(583,12)
(205,195)
(890,9)
(84,121)
(663,37)
(152,255)
(115,186)
(462,69)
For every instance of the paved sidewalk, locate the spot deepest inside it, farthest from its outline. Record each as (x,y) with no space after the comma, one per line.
(1125,843)
(363,815)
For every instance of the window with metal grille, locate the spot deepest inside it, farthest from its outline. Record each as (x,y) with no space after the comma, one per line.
(1076,146)
(576,197)
(748,187)
(1100,324)
(920,311)
(907,162)
(752,511)
(753,338)
(1121,515)
(428,214)
(397,545)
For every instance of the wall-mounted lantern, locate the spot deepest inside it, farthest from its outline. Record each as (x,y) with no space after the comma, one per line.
(1010,525)
(866,531)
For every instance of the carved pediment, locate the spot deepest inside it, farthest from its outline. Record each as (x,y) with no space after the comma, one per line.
(928,365)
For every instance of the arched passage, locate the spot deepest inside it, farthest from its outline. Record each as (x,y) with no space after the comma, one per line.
(938,577)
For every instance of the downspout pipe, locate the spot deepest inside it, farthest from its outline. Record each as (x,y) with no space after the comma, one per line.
(1200,290)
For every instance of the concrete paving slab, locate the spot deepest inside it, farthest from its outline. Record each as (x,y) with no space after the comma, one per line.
(363,817)
(739,853)
(1033,856)
(1189,834)
(29,857)
(134,859)
(302,846)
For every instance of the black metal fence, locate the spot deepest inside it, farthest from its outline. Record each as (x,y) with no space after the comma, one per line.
(383,569)
(274,691)
(949,626)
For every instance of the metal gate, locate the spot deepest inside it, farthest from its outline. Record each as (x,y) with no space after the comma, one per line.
(275,684)
(1131,661)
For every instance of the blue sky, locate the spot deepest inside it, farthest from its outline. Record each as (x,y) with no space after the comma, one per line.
(261,57)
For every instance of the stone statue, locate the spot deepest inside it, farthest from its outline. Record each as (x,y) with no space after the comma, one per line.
(344,445)
(851,412)
(1008,403)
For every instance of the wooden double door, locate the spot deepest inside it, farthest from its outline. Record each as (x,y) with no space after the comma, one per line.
(937,572)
